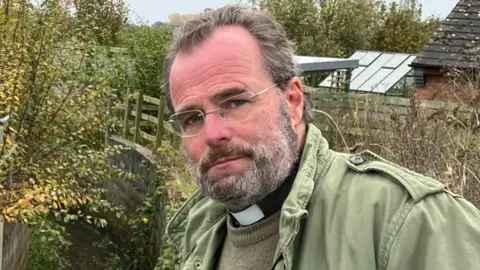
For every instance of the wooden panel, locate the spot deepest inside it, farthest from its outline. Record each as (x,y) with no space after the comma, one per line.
(377,106)
(15,246)
(146,117)
(144,135)
(151,100)
(145,107)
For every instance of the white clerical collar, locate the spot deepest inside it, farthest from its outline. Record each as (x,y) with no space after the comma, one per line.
(249,216)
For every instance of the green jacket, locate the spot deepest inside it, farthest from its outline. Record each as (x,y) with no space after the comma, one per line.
(348,212)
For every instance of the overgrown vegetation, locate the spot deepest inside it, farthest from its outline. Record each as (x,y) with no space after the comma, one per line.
(53,152)
(442,143)
(56,87)
(179,186)
(63,75)
(145,47)
(46,246)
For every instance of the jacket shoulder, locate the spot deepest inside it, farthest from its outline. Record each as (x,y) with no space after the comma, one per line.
(371,168)
(419,213)
(192,220)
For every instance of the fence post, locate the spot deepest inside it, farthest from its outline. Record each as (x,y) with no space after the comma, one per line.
(138,117)
(347,80)
(314,80)
(108,117)
(128,111)
(160,118)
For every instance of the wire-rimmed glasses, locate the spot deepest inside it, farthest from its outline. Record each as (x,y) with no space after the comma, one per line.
(232,110)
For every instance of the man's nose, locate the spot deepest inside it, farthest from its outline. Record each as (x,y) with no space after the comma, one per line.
(216,130)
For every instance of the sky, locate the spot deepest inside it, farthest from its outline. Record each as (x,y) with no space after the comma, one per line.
(152,11)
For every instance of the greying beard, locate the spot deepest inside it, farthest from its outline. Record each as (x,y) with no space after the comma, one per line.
(271,163)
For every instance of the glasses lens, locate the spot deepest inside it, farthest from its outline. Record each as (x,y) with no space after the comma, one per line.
(188,123)
(237,108)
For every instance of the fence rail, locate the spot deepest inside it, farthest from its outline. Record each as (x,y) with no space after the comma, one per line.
(372,112)
(141,107)
(382,103)
(146,125)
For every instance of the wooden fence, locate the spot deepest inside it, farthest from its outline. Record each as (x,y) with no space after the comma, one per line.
(14,239)
(373,111)
(149,113)
(149,120)
(381,103)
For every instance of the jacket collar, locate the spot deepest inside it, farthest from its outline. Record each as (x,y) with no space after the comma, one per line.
(198,214)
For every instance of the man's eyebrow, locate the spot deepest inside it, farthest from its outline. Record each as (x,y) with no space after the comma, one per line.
(188,107)
(227,93)
(215,98)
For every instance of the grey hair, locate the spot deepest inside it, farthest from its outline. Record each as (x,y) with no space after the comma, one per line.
(276,49)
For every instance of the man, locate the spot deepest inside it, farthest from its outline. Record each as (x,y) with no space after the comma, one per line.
(271,193)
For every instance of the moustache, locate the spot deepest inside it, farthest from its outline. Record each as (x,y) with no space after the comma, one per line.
(224,152)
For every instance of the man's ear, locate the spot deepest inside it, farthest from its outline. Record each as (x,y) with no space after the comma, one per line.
(294,98)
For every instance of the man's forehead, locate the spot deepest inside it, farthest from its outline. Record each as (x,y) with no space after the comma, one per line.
(215,62)
(225,44)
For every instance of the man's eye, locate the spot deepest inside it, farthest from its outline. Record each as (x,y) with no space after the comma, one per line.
(232,104)
(192,120)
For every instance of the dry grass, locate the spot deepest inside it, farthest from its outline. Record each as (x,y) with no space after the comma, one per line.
(444,145)
(179,183)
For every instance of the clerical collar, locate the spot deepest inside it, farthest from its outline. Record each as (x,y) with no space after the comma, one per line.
(268,206)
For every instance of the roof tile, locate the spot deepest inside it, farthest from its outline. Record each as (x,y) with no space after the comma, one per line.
(456,41)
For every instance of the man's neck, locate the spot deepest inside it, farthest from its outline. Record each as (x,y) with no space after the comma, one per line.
(268,206)
(273,202)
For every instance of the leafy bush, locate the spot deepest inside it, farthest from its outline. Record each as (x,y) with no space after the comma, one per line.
(53,157)
(145,48)
(46,245)
(179,186)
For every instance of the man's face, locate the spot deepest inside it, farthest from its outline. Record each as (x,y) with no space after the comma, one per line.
(235,163)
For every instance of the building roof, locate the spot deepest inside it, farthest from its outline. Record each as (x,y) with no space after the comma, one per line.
(308,64)
(456,43)
(378,72)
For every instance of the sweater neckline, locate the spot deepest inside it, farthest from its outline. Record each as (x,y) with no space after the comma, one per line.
(250,235)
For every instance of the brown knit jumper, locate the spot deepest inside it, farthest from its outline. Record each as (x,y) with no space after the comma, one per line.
(251,247)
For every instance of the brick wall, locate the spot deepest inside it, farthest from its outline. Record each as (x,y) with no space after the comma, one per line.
(439,88)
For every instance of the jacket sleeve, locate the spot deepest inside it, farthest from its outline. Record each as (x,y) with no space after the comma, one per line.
(440,232)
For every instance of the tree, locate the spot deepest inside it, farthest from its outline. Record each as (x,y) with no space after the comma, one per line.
(105,18)
(402,29)
(339,27)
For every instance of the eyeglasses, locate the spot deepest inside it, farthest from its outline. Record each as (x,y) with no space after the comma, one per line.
(232,110)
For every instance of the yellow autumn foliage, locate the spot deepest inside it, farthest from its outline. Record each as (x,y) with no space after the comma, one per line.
(52,155)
